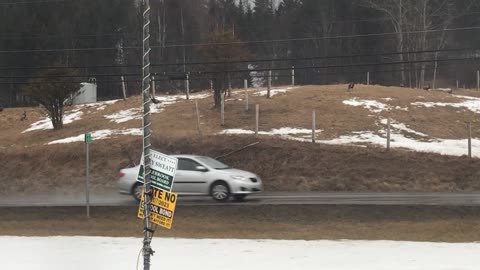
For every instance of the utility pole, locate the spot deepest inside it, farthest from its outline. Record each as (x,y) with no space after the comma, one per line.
(147,231)
(186,82)
(124,90)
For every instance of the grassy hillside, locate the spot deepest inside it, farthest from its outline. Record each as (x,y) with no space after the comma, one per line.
(32,165)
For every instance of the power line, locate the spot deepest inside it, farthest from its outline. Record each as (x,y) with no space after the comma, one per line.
(21,37)
(70,49)
(321,38)
(345,65)
(35,2)
(317,57)
(199,73)
(248,61)
(343,72)
(69,67)
(243,42)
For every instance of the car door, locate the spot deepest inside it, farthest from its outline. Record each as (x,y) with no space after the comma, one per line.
(188,179)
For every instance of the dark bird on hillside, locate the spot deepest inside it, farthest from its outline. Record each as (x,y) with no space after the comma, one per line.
(426,87)
(351,86)
(155,101)
(24,116)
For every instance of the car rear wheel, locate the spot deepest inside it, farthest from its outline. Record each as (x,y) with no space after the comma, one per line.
(220,191)
(137,191)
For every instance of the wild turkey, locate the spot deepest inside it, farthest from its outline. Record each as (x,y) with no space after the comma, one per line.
(426,87)
(155,101)
(351,86)
(24,116)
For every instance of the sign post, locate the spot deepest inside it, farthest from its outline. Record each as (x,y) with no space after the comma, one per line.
(88,139)
(146,122)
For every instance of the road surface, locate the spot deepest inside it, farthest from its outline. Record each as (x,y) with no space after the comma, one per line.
(268,198)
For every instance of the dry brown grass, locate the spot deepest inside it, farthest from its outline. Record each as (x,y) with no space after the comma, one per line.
(283,165)
(444,224)
(294,109)
(31,166)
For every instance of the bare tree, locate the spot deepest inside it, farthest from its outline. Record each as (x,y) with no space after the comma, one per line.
(395,11)
(221,56)
(51,89)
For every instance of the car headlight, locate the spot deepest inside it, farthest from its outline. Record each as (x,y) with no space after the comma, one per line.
(238,177)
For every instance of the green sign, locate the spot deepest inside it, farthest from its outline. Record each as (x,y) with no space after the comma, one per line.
(162,170)
(140,172)
(88,137)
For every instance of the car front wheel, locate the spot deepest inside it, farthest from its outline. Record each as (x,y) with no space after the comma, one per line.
(220,191)
(137,191)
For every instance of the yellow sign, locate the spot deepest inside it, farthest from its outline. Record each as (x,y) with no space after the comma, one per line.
(162,208)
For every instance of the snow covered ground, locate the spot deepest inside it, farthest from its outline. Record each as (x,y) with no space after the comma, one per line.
(273,92)
(101,135)
(82,253)
(163,102)
(70,116)
(401,135)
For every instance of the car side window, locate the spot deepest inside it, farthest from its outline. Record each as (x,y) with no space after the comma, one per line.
(185,164)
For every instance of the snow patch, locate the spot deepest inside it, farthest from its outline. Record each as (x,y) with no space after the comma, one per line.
(97,105)
(402,127)
(471,103)
(124,116)
(100,135)
(297,134)
(70,116)
(163,101)
(46,123)
(273,92)
(439,146)
(372,105)
(401,109)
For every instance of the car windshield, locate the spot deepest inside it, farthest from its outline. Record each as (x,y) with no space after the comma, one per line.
(213,163)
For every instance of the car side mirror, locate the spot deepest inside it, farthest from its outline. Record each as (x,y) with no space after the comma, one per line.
(201,169)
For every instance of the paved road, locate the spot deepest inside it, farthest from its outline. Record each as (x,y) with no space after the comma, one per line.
(270,198)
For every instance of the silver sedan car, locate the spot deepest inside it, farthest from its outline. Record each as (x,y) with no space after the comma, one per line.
(199,175)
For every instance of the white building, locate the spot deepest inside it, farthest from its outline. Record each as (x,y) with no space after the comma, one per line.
(86,94)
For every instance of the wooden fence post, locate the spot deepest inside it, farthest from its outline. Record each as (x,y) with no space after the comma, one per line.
(198,119)
(187,86)
(229,86)
(269,83)
(470,139)
(478,80)
(257,117)
(153,86)
(222,109)
(314,126)
(388,134)
(293,75)
(124,89)
(245,85)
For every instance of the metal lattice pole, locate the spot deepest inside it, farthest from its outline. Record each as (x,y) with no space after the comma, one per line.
(148,232)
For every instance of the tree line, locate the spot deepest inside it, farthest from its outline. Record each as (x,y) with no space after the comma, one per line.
(400,42)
